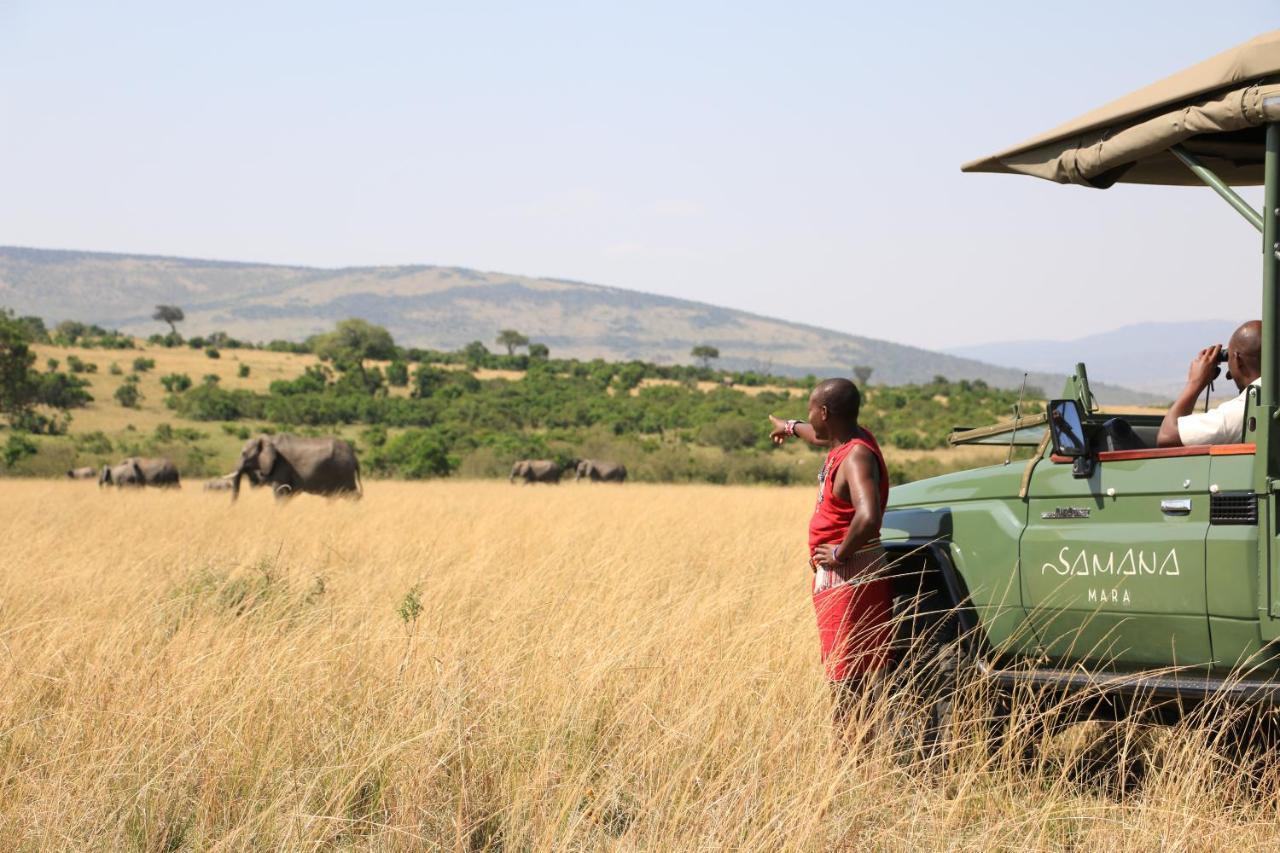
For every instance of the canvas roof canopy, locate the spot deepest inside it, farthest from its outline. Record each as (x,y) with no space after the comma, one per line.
(1215,110)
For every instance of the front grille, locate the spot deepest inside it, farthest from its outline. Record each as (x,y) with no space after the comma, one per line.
(1233,508)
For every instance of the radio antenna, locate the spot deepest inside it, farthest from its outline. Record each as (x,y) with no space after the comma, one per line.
(1017,416)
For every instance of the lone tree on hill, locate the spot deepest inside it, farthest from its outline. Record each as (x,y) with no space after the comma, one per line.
(351,343)
(704,354)
(169,314)
(863,374)
(511,339)
(539,351)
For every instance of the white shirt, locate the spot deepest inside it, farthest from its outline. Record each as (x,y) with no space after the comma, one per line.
(1223,425)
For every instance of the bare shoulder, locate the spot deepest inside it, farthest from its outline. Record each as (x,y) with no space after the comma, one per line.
(864,461)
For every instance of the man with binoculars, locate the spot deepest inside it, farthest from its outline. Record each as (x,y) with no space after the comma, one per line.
(1182,426)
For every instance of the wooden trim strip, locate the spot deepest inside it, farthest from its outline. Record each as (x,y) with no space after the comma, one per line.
(1233,450)
(1154,453)
(1168,452)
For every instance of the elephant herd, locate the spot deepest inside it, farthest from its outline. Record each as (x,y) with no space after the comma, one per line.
(289,464)
(550,471)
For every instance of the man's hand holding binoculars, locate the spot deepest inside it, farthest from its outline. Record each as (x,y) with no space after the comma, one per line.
(1205,367)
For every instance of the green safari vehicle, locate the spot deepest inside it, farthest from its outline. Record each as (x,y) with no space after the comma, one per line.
(1103,564)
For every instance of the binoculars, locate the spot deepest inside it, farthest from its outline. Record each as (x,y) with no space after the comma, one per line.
(1222,355)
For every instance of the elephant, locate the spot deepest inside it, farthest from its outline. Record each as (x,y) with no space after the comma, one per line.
(536,471)
(82,473)
(292,464)
(141,471)
(600,471)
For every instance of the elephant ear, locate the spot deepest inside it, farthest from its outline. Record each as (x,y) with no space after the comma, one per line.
(267,458)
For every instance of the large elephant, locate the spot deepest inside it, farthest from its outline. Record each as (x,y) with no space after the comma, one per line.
(600,471)
(536,471)
(141,471)
(291,464)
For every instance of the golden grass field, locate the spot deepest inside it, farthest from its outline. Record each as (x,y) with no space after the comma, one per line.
(591,668)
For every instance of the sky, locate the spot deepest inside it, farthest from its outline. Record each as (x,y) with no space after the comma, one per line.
(796,160)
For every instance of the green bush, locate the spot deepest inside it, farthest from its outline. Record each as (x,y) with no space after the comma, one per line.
(115,369)
(17,447)
(209,402)
(243,371)
(397,374)
(413,455)
(128,395)
(374,436)
(212,352)
(95,443)
(142,364)
(62,391)
(78,365)
(314,380)
(176,383)
(733,432)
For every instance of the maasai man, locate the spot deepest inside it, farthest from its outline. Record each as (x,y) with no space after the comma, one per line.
(852,597)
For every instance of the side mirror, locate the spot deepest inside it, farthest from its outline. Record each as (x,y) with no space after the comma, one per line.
(1066,425)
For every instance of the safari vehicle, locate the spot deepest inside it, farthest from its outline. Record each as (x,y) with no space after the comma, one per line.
(1104,563)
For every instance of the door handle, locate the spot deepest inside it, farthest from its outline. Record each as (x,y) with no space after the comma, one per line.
(1176,506)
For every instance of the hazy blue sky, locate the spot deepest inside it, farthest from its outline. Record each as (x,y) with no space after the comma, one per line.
(799,160)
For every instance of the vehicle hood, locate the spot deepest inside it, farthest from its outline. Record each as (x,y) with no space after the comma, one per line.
(995,481)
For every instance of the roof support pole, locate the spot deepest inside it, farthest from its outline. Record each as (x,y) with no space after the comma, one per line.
(1268,429)
(1219,186)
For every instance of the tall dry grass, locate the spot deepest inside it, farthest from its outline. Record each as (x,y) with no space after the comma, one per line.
(478,666)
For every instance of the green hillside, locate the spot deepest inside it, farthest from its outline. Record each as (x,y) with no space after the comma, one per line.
(84,400)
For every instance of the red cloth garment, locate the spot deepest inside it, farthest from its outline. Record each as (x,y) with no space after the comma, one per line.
(832,515)
(854,611)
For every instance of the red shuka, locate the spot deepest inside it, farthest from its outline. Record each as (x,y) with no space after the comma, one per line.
(832,515)
(855,623)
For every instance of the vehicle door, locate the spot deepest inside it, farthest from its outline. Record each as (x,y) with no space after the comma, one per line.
(1113,565)
(1231,558)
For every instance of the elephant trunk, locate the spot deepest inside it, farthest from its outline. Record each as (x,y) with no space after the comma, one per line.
(235,482)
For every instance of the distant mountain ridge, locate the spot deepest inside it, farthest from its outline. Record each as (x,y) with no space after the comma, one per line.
(446,307)
(1149,357)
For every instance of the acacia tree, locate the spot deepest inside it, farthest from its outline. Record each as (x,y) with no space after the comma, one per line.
(170,314)
(511,339)
(18,382)
(352,342)
(863,374)
(704,354)
(22,388)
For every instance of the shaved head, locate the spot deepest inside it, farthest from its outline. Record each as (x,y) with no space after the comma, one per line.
(1247,340)
(841,398)
(1245,353)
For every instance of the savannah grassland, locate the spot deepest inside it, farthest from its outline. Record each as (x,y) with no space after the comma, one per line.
(477,666)
(215,447)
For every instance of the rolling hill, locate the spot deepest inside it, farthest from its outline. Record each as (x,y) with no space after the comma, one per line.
(446,307)
(1148,357)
